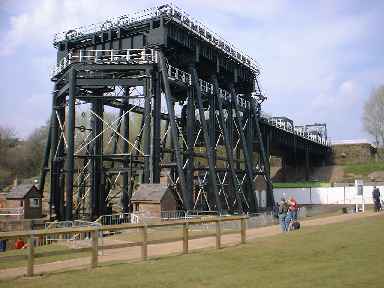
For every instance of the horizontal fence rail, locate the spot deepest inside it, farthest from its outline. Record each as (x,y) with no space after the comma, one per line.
(96,232)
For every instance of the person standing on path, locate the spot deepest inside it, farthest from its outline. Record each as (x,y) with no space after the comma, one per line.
(283,210)
(376,198)
(292,211)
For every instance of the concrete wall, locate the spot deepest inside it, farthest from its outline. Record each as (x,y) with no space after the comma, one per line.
(329,195)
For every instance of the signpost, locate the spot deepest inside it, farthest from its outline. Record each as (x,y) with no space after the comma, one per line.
(359,184)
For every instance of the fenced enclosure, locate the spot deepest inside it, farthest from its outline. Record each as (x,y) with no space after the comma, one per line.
(111,237)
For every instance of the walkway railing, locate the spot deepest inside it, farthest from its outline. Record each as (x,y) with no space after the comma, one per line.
(97,232)
(115,219)
(125,56)
(175,14)
(150,56)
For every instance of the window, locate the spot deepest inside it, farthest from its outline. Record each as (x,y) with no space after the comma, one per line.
(34,202)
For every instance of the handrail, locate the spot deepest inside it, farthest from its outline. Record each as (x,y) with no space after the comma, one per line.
(175,14)
(149,56)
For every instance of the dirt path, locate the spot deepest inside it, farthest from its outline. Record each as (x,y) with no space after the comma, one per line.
(134,253)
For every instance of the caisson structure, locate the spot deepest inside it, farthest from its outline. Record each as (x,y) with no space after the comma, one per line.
(157,97)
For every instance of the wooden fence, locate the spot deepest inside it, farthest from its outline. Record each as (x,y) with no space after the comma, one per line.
(94,232)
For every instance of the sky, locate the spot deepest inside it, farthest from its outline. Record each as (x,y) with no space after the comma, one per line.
(320,60)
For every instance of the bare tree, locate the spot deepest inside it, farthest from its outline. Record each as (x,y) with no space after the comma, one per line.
(373,117)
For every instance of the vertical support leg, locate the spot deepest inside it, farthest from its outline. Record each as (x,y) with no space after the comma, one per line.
(126,175)
(264,155)
(156,126)
(237,189)
(249,170)
(212,140)
(97,191)
(44,168)
(70,157)
(147,132)
(53,193)
(174,134)
(190,132)
(209,145)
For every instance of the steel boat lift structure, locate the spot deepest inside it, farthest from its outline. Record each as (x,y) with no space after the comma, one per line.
(153,97)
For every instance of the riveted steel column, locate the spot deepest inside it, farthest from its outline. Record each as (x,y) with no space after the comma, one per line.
(53,193)
(229,153)
(249,170)
(190,132)
(70,157)
(156,126)
(207,139)
(174,133)
(256,111)
(126,161)
(44,168)
(97,188)
(147,131)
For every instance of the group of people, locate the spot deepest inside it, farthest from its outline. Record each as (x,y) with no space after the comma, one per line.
(287,213)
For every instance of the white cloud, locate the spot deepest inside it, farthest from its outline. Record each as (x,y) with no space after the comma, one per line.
(314,55)
(46,17)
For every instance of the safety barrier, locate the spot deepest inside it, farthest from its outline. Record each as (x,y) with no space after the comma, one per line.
(115,219)
(96,232)
(175,14)
(150,56)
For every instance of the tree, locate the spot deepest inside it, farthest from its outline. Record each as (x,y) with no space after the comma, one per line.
(21,158)
(373,117)
(7,142)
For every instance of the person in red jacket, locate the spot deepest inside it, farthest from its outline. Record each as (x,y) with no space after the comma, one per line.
(292,211)
(19,244)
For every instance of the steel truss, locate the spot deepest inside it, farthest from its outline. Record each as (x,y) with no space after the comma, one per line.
(115,125)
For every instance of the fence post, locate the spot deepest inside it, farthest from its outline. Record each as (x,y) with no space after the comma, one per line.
(243,230)
(185,238)
(144,247)
(30,256)
(218,234)
(95,242)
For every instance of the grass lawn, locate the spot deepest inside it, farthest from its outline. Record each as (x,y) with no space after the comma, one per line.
(364,169)
(54,248)
(307,184)
(338,255)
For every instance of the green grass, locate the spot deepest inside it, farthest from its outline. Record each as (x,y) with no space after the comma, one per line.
(308,184)
(338,255)
(364,169)
(5,257)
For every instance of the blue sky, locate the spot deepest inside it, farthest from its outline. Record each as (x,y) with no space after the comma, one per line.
(320,59)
